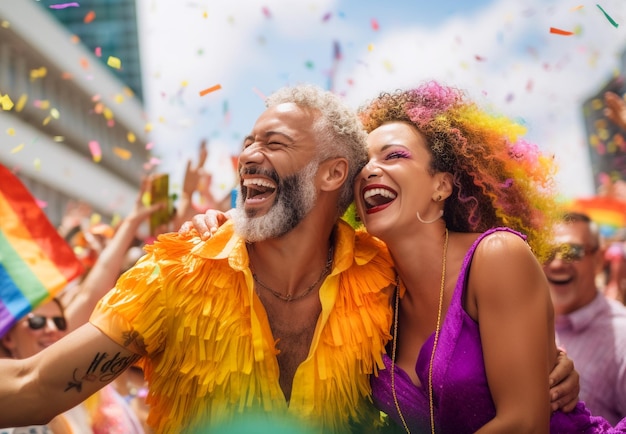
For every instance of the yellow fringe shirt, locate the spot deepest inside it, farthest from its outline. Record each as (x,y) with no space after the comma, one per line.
(211,356)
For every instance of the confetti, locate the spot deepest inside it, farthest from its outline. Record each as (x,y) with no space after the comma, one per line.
(226,113)
(6,103)
(114,62)
(608,17)
(529,86)
(41,203)
(37,164)
(210,89)
(259,93)
(96,152)
(5,24)
(64,5)
(11,131)
(556,31)
(577,8)
(108,114)
(122,153)
(54,113)
(149,146)
(21,102)
(327,16)
(91,15)
(58,139)
(131,137)
(38,73)
(84,63)
(17,149)
(42,104)
(148,127)
(370,47)
(98,52)
(266,12)
(46,121)
(479,58)
(374,24)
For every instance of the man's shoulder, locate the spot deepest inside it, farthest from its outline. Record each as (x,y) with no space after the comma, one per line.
(614,311)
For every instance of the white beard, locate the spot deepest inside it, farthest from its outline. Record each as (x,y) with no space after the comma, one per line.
(296,197)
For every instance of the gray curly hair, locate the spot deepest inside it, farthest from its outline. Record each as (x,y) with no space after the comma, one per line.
(338,130)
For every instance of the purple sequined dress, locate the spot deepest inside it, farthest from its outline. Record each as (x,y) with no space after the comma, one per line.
(461,397)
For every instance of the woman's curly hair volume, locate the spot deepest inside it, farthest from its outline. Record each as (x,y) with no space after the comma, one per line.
(499,178)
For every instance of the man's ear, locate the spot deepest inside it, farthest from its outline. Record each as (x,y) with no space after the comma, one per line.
(333,173)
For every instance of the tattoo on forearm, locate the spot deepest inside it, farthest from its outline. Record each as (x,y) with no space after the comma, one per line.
(103,368)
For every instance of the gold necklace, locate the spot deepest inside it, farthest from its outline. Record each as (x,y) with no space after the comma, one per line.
(432,354)
(325,270)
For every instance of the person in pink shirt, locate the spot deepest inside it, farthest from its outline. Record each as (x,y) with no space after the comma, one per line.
(589,326)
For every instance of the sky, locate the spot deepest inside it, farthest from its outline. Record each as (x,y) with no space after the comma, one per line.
(500,51)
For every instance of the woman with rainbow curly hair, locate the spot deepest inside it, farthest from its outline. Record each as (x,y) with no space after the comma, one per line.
(465,206)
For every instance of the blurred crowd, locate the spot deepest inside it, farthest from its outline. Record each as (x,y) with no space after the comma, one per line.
(106,250)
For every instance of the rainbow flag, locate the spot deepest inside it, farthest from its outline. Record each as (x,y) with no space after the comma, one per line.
(35,261)
(608,212)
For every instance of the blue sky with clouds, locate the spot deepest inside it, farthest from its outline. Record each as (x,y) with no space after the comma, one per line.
(500,51)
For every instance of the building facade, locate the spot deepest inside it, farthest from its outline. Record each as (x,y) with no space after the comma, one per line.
(76,131)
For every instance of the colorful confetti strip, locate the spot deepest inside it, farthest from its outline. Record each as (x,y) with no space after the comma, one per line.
(96,153)
(210,89)
(259,93)
(122,153)
(560,32)
(608,17)
(64,5)
(21,102)
(114,62)
(5,102)
(91,15)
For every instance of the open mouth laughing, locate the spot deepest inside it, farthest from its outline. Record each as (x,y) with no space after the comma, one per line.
(258,189)
(377,197)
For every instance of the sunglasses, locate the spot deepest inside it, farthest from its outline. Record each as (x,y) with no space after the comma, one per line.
(37,322)
(570,252)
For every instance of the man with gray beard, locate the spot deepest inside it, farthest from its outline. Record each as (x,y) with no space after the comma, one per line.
(280,317)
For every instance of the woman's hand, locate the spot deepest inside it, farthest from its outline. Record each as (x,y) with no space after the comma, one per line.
(205,224)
